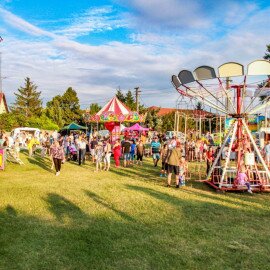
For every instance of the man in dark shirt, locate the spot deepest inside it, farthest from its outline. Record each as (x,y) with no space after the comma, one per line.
(126,147)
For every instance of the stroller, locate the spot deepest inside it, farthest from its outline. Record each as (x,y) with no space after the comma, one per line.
(73,155)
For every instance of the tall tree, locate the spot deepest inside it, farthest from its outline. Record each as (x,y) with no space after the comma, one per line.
(199,106)
(267,57)
(267,54)
(152,120)
(54,110)
(28,101)
(168,121)
(120,95)
(94,108)
(129,101)
(70,105)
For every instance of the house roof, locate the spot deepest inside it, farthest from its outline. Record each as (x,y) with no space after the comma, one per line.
(3,98)
(164,111)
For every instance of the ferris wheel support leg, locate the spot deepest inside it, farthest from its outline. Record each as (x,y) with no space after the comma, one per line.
(239,136)
(220,152)
(257,150)
(220,130)
(229,154)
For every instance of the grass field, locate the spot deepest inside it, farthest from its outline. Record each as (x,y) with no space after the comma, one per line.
(125,219)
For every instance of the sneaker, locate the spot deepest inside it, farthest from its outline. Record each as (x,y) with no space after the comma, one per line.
(168,185)
(177,186)
(250,191)
(57,173)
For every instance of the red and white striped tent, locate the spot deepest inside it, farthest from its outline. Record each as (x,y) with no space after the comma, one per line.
(115,106)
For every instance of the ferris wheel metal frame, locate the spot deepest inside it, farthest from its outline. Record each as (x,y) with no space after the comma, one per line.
(231,101)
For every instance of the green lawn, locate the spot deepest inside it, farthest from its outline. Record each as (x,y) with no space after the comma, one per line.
(125,219)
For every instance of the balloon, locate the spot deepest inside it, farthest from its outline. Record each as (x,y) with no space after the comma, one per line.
(109,126)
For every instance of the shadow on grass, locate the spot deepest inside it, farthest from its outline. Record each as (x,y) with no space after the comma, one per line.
(43,163)
(62,208)
(216,204)
(105,204)
(242,199)
(145,173)
(27,242)
(103,242)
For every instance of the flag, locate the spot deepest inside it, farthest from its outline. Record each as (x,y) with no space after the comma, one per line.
(1,39)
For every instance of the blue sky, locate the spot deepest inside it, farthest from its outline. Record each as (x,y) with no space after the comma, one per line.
(97,46)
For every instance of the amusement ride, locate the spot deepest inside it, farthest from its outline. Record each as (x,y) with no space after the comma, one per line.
(238,98)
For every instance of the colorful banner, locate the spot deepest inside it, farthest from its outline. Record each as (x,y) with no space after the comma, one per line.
(254,122)
(133,117)
(2,159)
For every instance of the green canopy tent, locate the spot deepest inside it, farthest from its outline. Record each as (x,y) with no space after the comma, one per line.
(72,126)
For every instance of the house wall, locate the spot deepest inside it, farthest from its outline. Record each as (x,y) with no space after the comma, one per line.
(2,107)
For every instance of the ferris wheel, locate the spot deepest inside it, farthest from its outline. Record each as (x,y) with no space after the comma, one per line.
(239,97)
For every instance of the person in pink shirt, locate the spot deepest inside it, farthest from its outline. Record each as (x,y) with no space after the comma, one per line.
(242,179)
(58,156)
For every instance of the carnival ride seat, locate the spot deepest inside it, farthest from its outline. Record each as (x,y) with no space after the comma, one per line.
(216,175)
(11,156)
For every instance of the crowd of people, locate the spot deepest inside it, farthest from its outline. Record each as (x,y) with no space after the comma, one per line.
(129,151)
(173,153)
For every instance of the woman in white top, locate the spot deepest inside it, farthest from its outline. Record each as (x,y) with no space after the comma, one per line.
(81,143)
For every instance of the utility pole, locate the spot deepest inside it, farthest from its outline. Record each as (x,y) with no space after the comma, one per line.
(137,93)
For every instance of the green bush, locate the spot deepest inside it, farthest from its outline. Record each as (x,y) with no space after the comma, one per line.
(9,121)
(42,122)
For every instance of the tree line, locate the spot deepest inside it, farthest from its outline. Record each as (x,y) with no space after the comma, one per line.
(27,110)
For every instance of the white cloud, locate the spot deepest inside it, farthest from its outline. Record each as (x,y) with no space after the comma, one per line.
(96,71)
(23,25)
(235,12)
(93,20)
(172,14)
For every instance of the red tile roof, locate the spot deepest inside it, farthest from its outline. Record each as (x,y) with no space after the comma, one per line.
(164,111)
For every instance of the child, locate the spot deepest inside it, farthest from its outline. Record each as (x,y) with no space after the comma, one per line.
(98,156)
(183,166)
(242,179)
(140,152)
(163,156)
(107,155)
(132,151)
(17,149)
